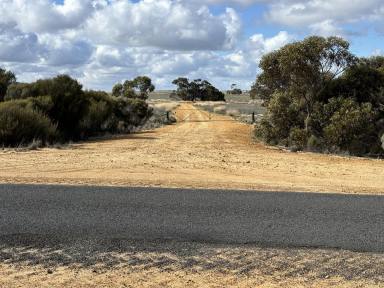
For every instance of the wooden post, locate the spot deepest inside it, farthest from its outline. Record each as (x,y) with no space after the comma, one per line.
(253,118)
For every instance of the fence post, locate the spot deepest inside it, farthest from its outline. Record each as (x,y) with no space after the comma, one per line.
(253,118)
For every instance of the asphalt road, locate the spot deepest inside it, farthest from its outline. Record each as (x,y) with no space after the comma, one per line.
(73,213)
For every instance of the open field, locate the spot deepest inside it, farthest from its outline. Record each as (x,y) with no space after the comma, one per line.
(164,95)
(241,111)
(200,152)
(123,263)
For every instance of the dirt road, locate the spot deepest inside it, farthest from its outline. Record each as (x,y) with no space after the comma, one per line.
(200,151)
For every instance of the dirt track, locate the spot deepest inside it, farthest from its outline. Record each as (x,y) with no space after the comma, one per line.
(198,152)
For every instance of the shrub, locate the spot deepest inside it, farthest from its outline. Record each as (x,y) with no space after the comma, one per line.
(267,132)
(298,138)
(315,144)
(20,124)
(100,117)
(69,104)
(20,91)
(132,112)
(352,128)
(283,113)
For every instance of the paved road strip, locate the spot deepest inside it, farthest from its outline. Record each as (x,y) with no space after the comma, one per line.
(70,213)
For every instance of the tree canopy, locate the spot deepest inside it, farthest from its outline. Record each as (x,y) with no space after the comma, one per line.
(6,78)
(140,87)
(302,69)
(197,89)
(320,96)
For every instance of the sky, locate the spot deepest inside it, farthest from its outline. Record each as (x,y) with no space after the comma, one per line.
(103,42)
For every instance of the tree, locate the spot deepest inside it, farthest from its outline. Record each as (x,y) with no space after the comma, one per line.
(144,86)
(303,69)
(234,90)
(182,88)
(375,62)
(117,90)
(6,79)
(140,87)
(360,82)
(198,89)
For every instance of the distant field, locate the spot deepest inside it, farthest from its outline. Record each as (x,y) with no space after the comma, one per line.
(164,95)
(245,97)
(160,95)
(242,111)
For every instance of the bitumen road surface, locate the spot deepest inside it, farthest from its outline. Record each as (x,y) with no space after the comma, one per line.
(72,213)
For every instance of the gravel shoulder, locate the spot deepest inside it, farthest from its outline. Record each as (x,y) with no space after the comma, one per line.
(200,151)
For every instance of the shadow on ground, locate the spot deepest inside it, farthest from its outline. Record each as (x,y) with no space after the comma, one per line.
(192,257)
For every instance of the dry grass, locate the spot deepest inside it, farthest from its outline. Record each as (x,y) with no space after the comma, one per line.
(164,106)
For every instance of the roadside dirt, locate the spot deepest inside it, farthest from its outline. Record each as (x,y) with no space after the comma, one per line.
(200,151)
(171,264)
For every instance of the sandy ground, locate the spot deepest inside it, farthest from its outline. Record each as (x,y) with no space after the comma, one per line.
(132,264)
(199,151)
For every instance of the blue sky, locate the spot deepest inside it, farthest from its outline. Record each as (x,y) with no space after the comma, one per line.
(102,42)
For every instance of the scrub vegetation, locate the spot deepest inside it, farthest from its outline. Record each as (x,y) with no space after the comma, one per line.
(320,97)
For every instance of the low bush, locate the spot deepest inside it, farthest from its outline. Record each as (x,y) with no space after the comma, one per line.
(351,128)
(298,138)
(58,110)
(100,117)
(17,91)
(20,124)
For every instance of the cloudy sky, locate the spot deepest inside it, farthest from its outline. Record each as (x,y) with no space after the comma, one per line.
(101,42)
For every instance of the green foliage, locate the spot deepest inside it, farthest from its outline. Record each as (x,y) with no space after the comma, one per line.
(69,104)
(140,87)
(351,128)
(17,91)
(70,112)
(267,132)
(198,89)
(6,78)
(20,124)
(132,112)
(319,97)
(61,99)
(234,90)
(100,117)
(298,138)
(302,69)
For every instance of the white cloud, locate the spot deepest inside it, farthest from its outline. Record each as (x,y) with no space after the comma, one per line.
(324,16)
(44,15)
(105,41)
(164,24)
